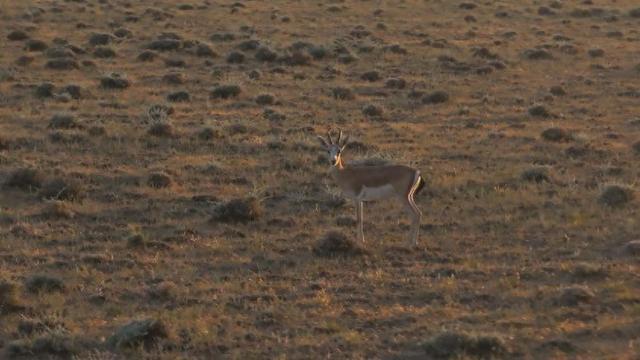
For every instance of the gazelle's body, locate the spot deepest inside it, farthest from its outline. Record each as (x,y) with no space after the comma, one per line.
(366,183)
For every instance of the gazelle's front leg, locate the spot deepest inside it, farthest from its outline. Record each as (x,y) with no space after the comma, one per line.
(359,210)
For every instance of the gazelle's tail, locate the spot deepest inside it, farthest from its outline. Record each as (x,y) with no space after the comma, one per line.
(420,185)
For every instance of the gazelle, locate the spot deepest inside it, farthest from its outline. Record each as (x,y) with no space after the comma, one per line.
(365,183)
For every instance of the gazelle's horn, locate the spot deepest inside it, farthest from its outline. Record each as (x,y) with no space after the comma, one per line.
(329,137)
(323,141)
(339,137)
(345,142)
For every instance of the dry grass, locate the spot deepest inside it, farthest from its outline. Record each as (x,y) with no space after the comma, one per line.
(521,115)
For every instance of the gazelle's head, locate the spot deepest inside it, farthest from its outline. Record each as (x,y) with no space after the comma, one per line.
(334,150)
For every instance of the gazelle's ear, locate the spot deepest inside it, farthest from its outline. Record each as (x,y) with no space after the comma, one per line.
(323,142)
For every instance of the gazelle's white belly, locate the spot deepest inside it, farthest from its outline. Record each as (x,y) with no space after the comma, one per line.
(376,193)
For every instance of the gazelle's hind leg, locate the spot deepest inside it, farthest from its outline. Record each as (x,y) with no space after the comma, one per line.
(414,212)
(359,211)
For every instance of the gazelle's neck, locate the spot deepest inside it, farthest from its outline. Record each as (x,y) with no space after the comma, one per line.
(336,170)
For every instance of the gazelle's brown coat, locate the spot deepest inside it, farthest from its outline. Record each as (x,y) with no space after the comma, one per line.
(366,183)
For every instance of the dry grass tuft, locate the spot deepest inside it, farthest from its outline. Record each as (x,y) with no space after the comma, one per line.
(337,244)
(556,134)
(342,93)
(574,296)
(371,110)
(536,174)
(265,99)
(436,97)
(44,90)
(616,196)
(632,247)
(146,332)
(44,284)
(162,130)
(539,111)
(179,96)
(53,344)
(28,179)
(225,92)
(58,210)
(63,189)
(63,121)
(9,300)
(159,180)
(265,54)
(458,345)
(114,81)
(164,291)
(238,210)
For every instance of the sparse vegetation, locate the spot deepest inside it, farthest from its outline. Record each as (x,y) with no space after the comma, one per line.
(159,161)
